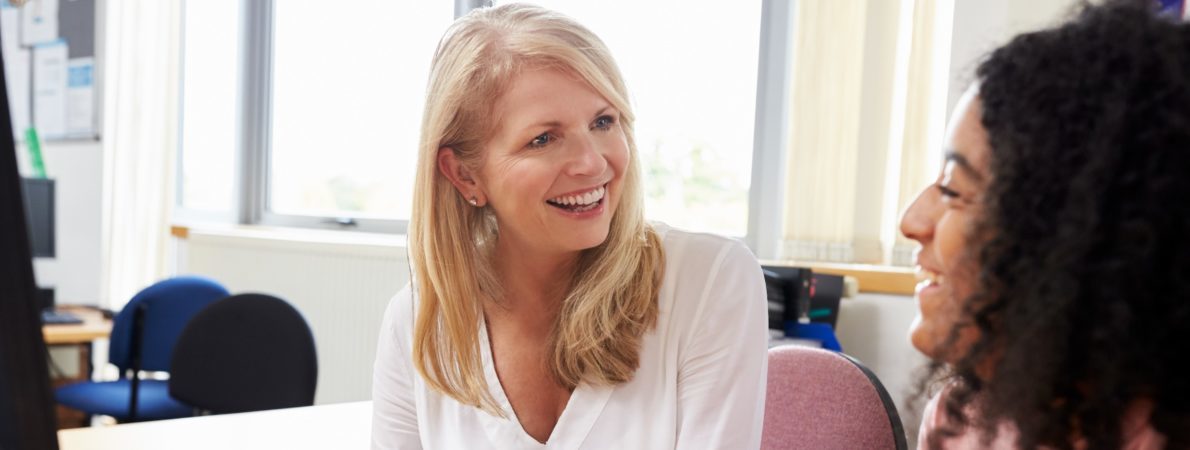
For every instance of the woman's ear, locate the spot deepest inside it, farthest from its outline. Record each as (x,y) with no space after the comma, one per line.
(460,176)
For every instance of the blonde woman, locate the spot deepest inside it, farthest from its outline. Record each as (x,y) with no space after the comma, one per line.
(544,312)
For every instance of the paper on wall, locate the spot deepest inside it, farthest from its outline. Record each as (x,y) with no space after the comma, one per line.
(16,69)
(80,97)
(39,22)
(49,89)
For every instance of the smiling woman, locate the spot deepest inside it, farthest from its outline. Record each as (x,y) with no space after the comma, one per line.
(941,219)
(544,312)
(553,170)
(1055,259)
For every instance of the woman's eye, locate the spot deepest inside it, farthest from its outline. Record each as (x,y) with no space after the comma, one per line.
(604,122)
(947,193)
(541,140)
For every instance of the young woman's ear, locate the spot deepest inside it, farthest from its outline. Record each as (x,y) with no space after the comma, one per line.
(460,176)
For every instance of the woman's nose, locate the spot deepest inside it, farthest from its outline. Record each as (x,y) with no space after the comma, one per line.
(586,157)
(919,219)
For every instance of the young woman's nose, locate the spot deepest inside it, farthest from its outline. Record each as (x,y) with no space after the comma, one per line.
(919,219)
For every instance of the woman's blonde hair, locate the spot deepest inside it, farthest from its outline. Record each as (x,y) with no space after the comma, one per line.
(612,298)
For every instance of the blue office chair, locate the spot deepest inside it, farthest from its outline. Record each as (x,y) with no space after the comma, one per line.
(143,338)
(247,352)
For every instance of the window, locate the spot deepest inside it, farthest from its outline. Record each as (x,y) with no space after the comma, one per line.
(804,127)
(210,56)
(348,87)
(304,113)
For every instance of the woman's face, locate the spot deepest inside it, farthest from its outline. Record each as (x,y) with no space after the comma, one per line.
(553,170)
(941,220)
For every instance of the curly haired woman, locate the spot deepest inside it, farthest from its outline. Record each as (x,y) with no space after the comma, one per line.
(1055,255)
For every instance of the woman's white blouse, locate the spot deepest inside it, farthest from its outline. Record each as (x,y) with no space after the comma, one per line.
(700,385)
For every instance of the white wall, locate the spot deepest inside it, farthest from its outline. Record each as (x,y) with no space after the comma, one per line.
(340,286)
(981,25)
(77,170)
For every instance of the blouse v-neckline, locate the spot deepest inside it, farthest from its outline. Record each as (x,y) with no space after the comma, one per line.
(575,423)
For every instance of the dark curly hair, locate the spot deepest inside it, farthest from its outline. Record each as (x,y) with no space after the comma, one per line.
(1083,297)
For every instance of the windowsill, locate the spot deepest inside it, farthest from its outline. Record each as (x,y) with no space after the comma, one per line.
(871,278)
(290,234)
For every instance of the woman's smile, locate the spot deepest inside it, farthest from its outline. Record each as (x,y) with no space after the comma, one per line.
(581,204)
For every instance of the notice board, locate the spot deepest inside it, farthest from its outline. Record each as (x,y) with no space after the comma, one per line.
(51,60)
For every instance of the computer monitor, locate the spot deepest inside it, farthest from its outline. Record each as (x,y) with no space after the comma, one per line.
(797,291)
(786,286)
(26,404)
(39,215)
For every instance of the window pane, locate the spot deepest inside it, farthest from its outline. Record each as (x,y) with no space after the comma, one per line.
(690,67)
(348,90)
(210,59)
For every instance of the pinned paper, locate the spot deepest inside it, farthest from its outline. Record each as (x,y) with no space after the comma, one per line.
(16,68)
(80,97)
(39,22)
(49,89)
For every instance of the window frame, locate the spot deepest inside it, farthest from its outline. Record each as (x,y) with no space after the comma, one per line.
(771,135)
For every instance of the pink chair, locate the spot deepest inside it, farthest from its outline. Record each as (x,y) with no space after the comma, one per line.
(822,400)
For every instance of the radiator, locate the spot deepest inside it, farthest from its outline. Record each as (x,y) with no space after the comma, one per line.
(341,282)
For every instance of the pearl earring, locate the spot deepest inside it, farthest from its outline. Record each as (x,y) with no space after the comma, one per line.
(473,201)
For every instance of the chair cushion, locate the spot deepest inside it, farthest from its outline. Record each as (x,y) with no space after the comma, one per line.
(111,398)
(168,305)
(822,400)
(247,352)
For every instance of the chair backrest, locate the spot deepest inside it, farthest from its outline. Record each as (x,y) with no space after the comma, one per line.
(819,399)
(247,352)
(166,307)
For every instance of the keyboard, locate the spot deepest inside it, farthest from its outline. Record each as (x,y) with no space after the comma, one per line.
(51,317)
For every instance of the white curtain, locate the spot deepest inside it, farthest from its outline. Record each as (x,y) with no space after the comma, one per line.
(140,138)
(919,115)
(825,130)
(867,103)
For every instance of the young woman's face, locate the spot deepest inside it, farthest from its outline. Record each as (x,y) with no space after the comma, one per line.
(553,170)
(941,220)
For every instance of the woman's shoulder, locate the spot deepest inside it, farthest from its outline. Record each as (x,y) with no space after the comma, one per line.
(399,314)
(707,274)
(687,248)
(934,417)
(1139,434)
(930,421)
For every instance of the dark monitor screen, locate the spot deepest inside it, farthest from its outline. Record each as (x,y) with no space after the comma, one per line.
(793,291)
(39,215)
(785,286)
(26,404)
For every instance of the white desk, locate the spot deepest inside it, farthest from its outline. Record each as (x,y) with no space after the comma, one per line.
(340,426)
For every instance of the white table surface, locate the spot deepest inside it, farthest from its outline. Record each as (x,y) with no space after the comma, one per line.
(338,426)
